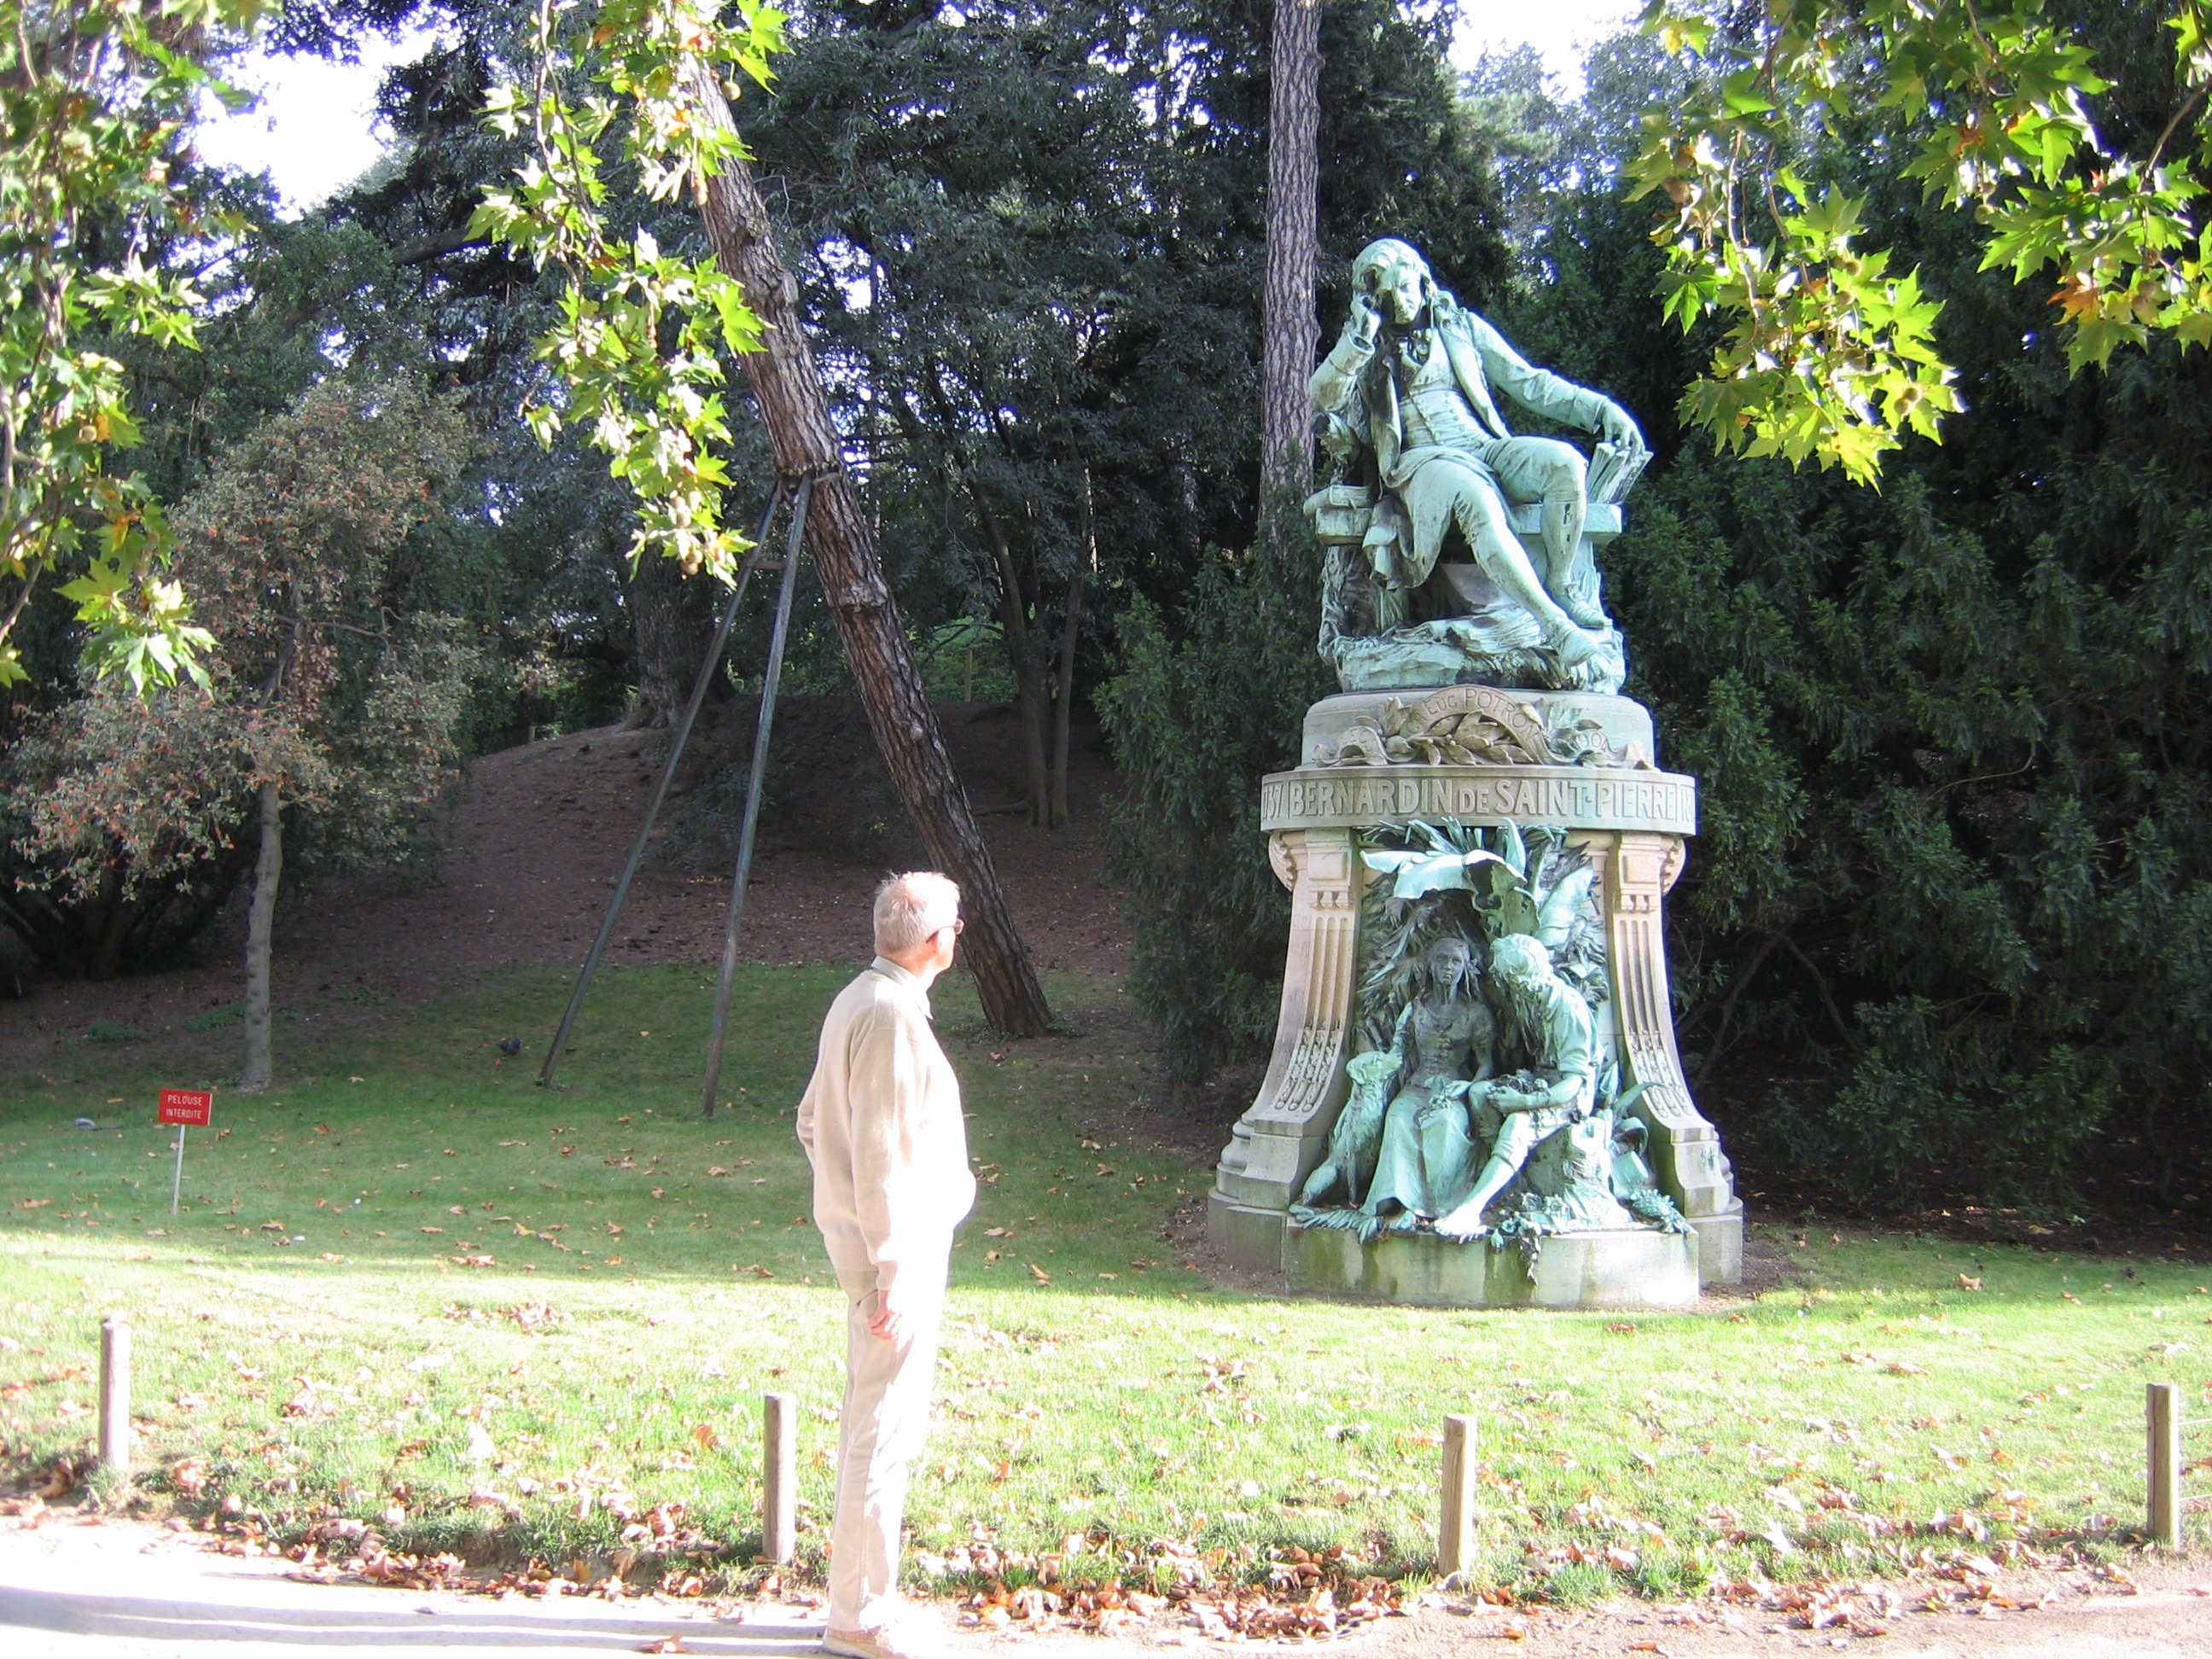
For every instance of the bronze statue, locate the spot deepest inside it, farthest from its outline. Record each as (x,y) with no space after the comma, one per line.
(1411,392)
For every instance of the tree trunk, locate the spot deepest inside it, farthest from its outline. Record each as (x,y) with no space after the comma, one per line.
(672,620)
(1071,631)
(1063,696)
(1032,695)
(796,416)
(1289,329)
(260,924)
(109,920)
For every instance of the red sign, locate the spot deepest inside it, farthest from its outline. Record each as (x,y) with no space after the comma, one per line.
(193,1106)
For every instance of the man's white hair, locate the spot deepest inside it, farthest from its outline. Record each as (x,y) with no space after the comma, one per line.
(1520,952)
(910,908)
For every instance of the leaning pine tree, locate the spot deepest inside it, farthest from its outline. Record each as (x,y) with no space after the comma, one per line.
(639,354)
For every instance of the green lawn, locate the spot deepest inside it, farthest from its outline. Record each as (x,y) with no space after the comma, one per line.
(411,1287)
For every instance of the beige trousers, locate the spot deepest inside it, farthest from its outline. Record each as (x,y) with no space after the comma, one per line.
(885,1419)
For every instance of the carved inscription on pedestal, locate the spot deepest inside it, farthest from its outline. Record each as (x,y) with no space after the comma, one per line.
(1565,797)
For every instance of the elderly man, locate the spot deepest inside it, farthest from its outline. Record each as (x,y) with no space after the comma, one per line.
(882,1127)
(1413,377)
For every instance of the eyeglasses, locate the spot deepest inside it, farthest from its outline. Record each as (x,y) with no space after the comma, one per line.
(958,926)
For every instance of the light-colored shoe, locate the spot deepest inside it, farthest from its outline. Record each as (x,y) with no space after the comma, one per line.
(899,1641)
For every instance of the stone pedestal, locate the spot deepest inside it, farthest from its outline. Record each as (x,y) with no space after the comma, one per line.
(1580,762)
(1632,1268)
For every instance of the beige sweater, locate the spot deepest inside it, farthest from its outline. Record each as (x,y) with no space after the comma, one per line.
(882,1127)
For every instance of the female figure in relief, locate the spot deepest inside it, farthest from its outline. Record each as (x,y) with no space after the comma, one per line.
(1446,1040)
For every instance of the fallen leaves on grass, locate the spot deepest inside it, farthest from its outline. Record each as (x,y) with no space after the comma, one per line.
(342,1544)
(57,1479)
(532,1317)
(1306,1595)
(17,1389)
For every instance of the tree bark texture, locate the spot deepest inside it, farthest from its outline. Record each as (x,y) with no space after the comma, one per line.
(796,415)
(1290,330)
(672,620)
(260,929)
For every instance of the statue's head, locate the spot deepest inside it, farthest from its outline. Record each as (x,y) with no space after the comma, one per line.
(1397,277)
(1449,960)
(1520,962)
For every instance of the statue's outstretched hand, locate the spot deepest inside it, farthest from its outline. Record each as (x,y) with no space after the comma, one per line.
(1617,428)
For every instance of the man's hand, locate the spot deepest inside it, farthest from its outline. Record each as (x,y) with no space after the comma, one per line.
(1365,322)
(1617,429)
(892,1322)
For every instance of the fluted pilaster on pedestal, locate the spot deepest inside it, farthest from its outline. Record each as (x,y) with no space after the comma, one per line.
(1276,1143)
(1638,870)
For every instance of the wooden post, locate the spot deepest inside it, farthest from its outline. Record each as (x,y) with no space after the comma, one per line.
(2162,1420)
(115,1395)
(779,1475)
(1455,1519)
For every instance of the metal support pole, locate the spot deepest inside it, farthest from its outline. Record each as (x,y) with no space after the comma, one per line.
(682,735)
(2162,1424)
(753,788)
(779,1475)
(115,1395)
(1456,1517)
(177,1186)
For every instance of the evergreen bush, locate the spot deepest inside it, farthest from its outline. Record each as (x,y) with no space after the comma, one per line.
(1206,704)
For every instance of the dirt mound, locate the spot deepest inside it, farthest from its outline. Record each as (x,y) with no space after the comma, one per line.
(534,835)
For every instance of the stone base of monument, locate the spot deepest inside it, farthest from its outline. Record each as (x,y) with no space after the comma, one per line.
(1636,1267)
(1372,766)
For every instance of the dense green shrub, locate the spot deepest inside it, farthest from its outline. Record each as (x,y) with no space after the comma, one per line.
(1207,703)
